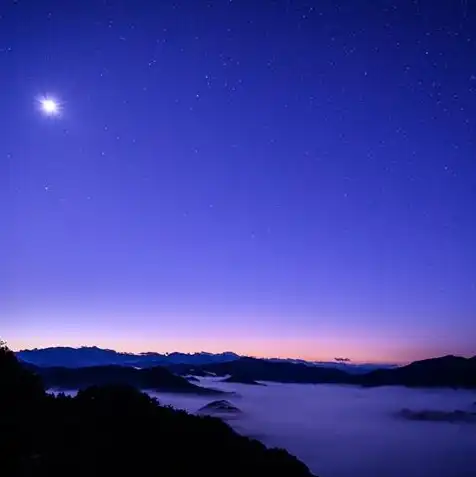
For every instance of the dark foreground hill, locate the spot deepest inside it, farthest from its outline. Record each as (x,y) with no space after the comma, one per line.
(118,431)
(153,379)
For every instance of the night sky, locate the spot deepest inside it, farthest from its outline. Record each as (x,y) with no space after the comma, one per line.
(276,178)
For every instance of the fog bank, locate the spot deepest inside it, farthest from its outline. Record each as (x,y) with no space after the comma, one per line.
(347,431)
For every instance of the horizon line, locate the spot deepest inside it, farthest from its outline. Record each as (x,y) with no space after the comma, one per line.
(347,361)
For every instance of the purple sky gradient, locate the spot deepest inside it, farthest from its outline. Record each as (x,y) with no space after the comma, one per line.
(265,177)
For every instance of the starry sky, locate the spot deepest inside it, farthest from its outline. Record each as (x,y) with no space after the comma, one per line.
(277,178)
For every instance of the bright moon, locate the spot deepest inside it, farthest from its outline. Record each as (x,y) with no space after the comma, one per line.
(49,106)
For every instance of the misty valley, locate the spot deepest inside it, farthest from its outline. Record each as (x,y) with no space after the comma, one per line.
(340,420)
(252,416)
(347,431)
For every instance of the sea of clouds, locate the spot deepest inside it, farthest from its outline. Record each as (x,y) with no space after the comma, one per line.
(348,431)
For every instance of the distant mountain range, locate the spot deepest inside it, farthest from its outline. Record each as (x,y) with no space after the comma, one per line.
(446,371)
(92,356)
(92,366)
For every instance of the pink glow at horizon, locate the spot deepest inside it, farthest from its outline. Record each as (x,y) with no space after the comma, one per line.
(138,328)
(324,349)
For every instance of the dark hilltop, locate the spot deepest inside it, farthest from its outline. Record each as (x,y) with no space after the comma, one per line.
(118,431)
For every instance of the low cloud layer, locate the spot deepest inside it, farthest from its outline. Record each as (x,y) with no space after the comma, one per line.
(346,431)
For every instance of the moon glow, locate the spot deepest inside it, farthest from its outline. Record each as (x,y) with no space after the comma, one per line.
(49,106)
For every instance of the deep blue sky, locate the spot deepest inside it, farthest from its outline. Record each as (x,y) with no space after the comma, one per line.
(272,177)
